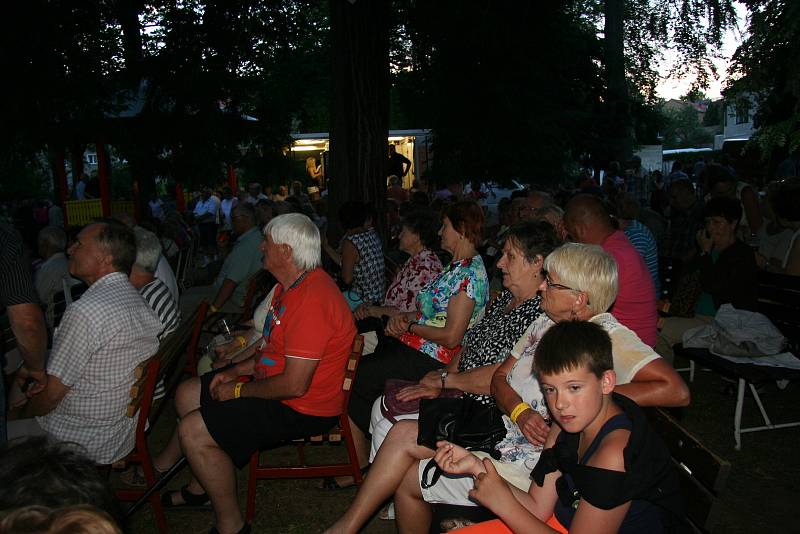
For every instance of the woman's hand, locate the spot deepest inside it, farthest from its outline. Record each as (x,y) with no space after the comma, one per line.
(533,426)
(490,488)
(457,460)
(418,391)
(362,312)
(398,325)
(220,351)
(432,379)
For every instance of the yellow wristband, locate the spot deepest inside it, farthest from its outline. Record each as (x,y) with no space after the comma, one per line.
(517,411)
(213,309)
(237,390)
(242,341)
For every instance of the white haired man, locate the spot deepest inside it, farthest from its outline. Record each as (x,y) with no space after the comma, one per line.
(290,387)
(154,291)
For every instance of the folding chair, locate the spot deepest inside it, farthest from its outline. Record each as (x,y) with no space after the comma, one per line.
(259,471)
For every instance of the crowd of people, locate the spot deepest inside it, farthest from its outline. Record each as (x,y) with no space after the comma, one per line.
(548,319)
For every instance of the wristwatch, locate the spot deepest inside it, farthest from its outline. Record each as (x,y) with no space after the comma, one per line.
(443,376)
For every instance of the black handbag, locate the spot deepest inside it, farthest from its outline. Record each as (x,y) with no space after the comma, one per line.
(463,421)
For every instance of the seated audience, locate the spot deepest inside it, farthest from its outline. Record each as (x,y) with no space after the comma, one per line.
(727,272)
(101,339)
(360,256)
(787,212)
(723,183)
(603,469)
(244,260)
(588,221)
(685,220)
(774,238)
(428,338)
(643,376)
(486,345)
(639,235)
(53,275)
(418,238)
(153,290)
(291,386)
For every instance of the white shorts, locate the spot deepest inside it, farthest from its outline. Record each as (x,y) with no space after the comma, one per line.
(454,489)
(379,426)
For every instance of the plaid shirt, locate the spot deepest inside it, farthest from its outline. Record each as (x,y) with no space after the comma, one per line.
(101,339)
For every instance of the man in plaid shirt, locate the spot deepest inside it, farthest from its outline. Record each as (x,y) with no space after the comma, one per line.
(103,336)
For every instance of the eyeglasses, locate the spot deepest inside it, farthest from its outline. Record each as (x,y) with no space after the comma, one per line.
(553,285)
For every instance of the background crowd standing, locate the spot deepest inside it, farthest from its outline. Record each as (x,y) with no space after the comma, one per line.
(545,311)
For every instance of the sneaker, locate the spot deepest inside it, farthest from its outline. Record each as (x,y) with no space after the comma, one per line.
(160,390)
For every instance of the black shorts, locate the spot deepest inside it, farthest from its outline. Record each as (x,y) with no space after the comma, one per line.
(242,426)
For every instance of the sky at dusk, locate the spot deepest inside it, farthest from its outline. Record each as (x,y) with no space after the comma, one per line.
(675,88)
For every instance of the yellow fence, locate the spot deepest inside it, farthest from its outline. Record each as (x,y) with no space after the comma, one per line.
(122,206)
(82,212)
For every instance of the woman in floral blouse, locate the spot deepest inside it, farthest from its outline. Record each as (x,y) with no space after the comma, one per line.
(417,238)
(420,341)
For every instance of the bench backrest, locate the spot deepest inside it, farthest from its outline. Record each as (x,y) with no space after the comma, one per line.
(703,474)
(779,299)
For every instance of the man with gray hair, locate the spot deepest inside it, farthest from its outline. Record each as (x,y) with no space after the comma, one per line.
(102,338)
(294,377)
(244,260)
(154,291)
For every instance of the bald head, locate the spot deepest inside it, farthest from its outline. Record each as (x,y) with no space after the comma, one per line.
(587,220)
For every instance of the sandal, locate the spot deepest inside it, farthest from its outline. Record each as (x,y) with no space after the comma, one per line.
(330,483)
(134,476)
(246,529)
(190,500)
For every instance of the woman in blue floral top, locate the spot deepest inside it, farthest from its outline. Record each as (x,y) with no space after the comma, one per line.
(420,341)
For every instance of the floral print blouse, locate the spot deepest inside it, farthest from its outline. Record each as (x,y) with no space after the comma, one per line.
(414,275)
(468,275)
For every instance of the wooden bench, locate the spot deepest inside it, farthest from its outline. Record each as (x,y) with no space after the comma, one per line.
(779,300)
(703,474)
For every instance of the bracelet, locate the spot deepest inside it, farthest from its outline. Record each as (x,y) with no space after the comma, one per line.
(517,411)
(213,309)
(242,341)
(237,390)
(408,328)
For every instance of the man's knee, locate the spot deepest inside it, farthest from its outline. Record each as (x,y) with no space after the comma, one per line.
(193,434)
(187,397)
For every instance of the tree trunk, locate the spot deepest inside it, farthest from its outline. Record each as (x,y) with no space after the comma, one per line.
(359,105)
(618,107)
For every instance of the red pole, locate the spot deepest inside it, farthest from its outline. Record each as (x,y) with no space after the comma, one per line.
(180,200)
(103,177)
(232,178)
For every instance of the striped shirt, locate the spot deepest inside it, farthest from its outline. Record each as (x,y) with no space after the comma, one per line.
(16,285)
(645,244)
(159,297)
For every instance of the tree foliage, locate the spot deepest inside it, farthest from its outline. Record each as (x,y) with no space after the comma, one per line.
(765,66)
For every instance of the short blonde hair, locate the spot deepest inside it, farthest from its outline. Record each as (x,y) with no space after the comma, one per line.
(586,268)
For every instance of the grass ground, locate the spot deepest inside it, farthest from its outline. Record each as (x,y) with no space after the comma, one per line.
(761,495)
